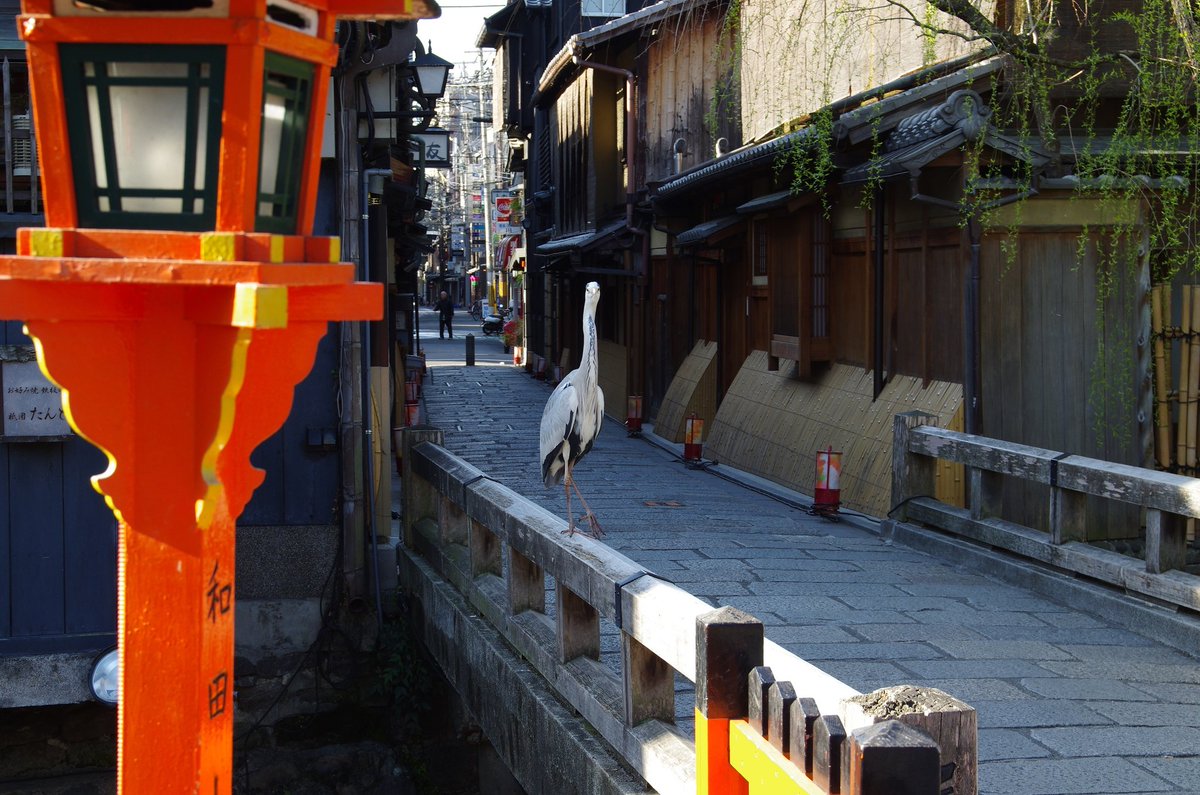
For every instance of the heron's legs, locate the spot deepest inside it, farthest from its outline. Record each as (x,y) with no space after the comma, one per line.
(587,512)
(570,515)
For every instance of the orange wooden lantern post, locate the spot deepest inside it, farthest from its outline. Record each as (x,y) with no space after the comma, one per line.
(177,347)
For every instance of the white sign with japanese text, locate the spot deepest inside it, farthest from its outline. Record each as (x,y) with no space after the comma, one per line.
(32,405)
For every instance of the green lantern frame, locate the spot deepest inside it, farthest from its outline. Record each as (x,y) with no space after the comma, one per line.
(101,190)
(289,80)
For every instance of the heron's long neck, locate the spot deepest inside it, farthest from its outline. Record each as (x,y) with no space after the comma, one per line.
(587,362)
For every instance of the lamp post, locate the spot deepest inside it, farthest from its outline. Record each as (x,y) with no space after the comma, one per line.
(176,297)
(421,83)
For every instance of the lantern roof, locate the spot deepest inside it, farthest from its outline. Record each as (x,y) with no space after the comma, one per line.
(344,9)
(381,9)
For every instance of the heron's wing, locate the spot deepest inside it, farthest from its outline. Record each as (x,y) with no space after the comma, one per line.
(559,418)
(599,407)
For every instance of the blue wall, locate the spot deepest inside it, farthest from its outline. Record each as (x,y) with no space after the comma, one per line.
(58,540)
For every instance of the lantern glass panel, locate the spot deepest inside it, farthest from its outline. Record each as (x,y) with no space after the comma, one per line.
(144,129)
(431,80)
(287,88)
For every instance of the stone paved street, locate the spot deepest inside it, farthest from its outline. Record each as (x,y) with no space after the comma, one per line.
(1069,700)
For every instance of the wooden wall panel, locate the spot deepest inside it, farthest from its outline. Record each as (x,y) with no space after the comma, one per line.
(789,249)
(5,543)
(850,294)
(829,54)
(734,293)
(689,73)
(907,333)
(945,268)
(90,544)
(1057,372)
(614,369)
(57,544)
(36,541)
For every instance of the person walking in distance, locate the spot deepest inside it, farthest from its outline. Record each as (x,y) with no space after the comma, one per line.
(445,309)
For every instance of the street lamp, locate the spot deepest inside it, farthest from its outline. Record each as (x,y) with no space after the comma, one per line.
(431,73)
(136,106)
(177,296)
(422,82)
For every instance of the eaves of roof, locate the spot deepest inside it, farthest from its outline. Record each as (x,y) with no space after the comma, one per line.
(580,43)
(847,126)
(739,160)
(763,203)
(584,241)
(702,232)
(497,26)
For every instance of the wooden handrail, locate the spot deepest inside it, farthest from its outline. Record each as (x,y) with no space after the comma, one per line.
(1168,498)
(466,526)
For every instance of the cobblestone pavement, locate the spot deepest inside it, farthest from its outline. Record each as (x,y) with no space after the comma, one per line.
(1068,700)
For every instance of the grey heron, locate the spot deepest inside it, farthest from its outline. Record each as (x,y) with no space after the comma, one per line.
(571,419)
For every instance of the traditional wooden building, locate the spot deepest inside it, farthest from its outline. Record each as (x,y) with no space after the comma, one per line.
(834,217)
(897,246)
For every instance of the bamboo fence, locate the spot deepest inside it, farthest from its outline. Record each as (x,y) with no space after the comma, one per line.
(1176,350)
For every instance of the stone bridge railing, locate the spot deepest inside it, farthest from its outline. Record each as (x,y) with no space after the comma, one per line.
(765,720)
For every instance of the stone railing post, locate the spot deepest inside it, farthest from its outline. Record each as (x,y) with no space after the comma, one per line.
(420,498)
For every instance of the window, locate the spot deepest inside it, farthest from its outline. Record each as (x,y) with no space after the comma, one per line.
(145,126)
(286,90)
(820,276)
(758,276)
(602,8)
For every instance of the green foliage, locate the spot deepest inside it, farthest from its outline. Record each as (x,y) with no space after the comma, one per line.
(402,678)
(809,158)
(725,98)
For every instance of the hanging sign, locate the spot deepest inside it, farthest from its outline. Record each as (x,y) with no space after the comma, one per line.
(436,145)
(502,202)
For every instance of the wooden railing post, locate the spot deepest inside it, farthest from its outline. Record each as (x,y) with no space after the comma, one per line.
(912,475)
(803,715)
(951,723)
(829,737)
(420,498)
(526,584)
(729,644)
(485,551)
(578,626)
(649,683)
(983,490)
(1166,541)
(890,758)
(1068,510)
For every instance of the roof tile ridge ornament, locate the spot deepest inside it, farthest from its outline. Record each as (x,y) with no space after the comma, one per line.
(964,111)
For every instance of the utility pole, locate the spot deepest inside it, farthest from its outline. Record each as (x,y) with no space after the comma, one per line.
(486,154)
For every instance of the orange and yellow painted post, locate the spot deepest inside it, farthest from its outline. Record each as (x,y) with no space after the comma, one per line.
(177,354)
(729,645)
